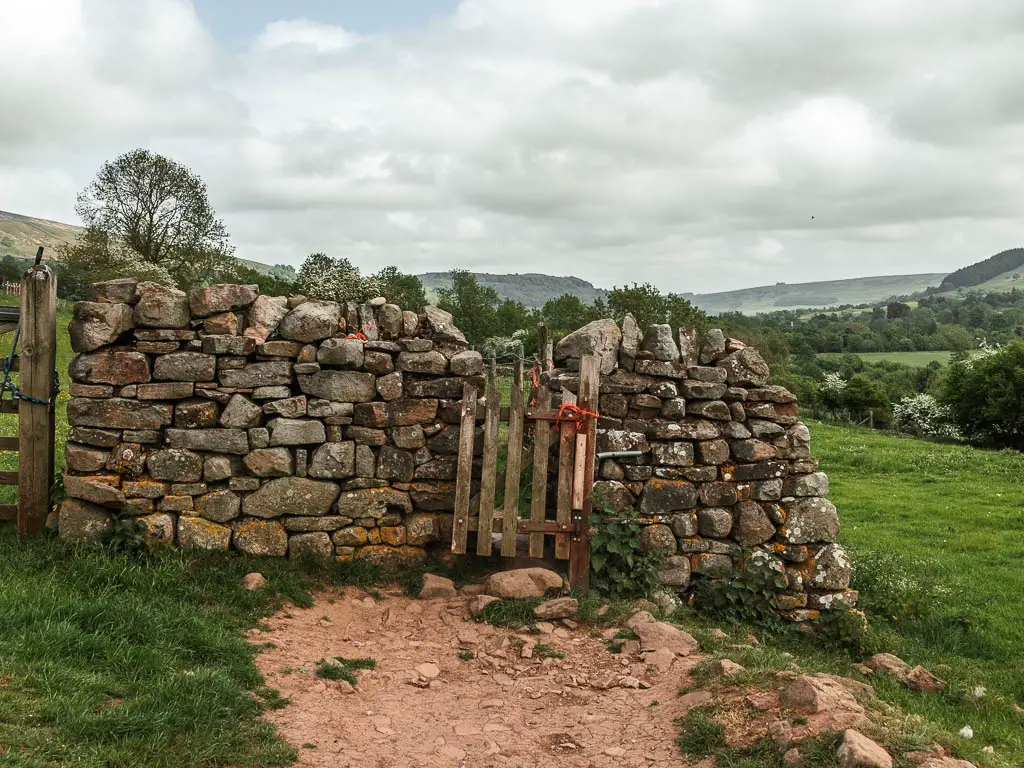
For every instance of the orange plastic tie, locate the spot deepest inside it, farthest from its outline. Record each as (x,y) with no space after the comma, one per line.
(360,336)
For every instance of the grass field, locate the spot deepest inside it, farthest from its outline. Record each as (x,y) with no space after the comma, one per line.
(937,533)
(913,359)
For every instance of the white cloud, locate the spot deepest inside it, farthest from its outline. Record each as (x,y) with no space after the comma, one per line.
(618,140)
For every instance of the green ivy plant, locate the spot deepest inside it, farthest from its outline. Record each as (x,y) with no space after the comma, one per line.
(621,569)
(746,595)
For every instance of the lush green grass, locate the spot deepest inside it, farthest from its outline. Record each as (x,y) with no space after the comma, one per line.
(913,359)
(937,533)
(110,660)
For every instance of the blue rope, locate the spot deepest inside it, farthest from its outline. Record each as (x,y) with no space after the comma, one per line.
(9,385)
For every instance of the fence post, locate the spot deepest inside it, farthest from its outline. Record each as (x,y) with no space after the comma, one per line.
(35,420)
(579,548)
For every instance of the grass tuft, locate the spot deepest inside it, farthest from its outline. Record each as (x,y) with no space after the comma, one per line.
(700,735)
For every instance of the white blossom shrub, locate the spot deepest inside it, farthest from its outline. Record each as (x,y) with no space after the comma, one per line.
(831,390)
(924,416)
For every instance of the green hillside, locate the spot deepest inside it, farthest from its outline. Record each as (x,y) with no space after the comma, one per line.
(830,293)
(532,289)
(22,235)
(998,269)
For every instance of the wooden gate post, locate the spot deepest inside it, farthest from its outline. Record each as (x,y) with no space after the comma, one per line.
(579,547)
(36,420)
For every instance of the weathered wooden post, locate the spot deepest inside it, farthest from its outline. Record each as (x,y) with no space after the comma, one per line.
(36,415)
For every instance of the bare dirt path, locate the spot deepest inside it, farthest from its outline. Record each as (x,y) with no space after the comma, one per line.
(496,709)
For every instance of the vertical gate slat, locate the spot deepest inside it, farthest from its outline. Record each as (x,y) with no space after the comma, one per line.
(36,420)
(490,463)
(513,465)
(464,476)
(539,492)
(566,456)
(579,552)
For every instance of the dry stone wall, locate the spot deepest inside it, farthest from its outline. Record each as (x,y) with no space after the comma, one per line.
(285,426)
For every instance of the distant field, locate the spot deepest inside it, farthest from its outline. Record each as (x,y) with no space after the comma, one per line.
(913,359)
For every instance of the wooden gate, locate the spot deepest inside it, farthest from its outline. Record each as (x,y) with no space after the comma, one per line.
(572,426)
(33,398)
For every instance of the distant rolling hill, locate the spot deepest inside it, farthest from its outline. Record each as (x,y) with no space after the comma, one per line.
(532,289)
(22,235)
(996,274)
(829,293)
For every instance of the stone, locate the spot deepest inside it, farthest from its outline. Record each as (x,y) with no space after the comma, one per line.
(221,344)
(395,464)
(219,506)
(477,604)
(745,368)
(327,523)
(711,564)
(714,522)
(676,454)
(441,326)
(558,608)
(296,431)
(631,338)
(404,411)
(832,568)
(366,462)
(185,366)
(170,390)
(390,321)
(657,538)
(683,525)
(378,363)
(270,462)
(224,324)
(618,440)
(161,307)
(311,321)
(127,459)
(612,495)
(112,366)
(176,465)
(96,325)
(436,587)
(82,458)
(675,572)
(80,522)
(265,314)
(272,373)
(810,520)
(709,409)
(175,504)
(725,668)
(158,528)
(347,353)
(663,496)
(523,582)
(97,390)
(660,634)
(223,297)
(374,502)
(421,528)
(712,345)
(241,413)
(658,341)
(467,363)
(342,386)
(817,693)
(271,393)
(333,460)
(194,414)
(393,558)
(197,533)
(432,362)
(920,679)
(751,525)
(889,664)
(600,337)
(314,546)
(212,440)
(121,290)
(814,484)
(291,496)
(253,581)
(858,751)
(390,386)
(265,538)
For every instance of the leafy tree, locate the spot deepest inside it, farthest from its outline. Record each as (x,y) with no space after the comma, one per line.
(986,395)
(566,314)
(644,302)
(270,284)
(473,306)
(862,394)
(511,316)
(331,279)
(897,311)
(96,256)
(149,216)
(680,313)
(404,290)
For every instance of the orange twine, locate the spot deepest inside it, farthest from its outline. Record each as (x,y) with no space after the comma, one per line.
(565,408)
(360,336)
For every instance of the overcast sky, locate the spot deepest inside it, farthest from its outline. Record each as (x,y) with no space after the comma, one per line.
(701,146)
